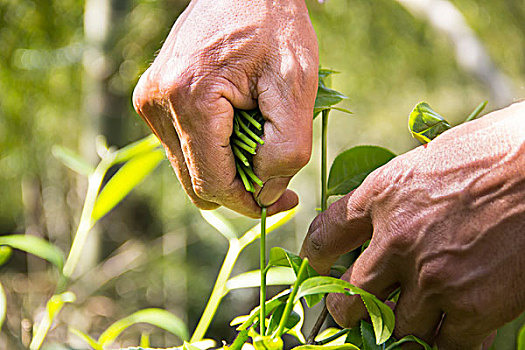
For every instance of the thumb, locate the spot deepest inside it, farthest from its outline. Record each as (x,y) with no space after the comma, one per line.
(344,226)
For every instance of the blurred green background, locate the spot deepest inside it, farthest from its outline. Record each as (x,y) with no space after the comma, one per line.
(67,71)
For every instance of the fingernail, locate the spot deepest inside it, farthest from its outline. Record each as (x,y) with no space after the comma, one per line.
(272,191)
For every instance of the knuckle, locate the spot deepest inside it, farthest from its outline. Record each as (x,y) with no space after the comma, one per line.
(296,156)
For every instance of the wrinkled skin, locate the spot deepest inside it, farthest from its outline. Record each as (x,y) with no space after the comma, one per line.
(447,226)
(225,54)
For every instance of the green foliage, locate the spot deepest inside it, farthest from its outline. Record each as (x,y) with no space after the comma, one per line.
(36,246)
(425,124)
(157,317)
(351,167)
(3,306)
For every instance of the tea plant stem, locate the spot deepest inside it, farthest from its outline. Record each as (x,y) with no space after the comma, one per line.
(289,304)
(243,137)
(250,133)
(324,137)
(318,324)
(251,120)
(263,272)
(219,290)
(86,220)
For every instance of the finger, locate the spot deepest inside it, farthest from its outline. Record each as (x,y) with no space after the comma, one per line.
(344,226)
(161,124)
(287,201)
(456,333)
(417,315)
(373,272)
(287,105)
(204,127)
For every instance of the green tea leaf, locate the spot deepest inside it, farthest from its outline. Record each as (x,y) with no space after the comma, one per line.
(86,338)
(352,166)
(134,149)
(354,337)
(53,307)
(327,347)
(36,246)
(144,340)
(292,320)
(157,317)
(425,124)
(331,336)
(367,335)
(521,338)
(130,175)
(3,305)
(72,160)
(324,284)
(220,223)
(282,257)
(5,254)
(412,339)
(268,343)
(326,98)
(271,305)
(276,276)
(295,331)
(382,320)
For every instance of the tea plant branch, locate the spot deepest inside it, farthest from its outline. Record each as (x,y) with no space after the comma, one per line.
(86,220)
(289,304)
(234,249)
(264,271)
(317,326)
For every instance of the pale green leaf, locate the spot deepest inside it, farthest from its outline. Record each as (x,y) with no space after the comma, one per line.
(268,343)
(352,166)
(53,307)
(130,175)
(144,340)
(521,338)
(188,346)
(383,323)
(5,254)
(72,160)
(327,347)
(281,257)
(3,306)
(275,276)
(292,320)
(220,223)
(331,332)
(296,330)
(425,124)
(410,339)
(271,305)
(86,338)
(134,149)
(36,246)
(157,317)
(324,284)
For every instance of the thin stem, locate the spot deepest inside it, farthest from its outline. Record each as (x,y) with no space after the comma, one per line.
(324,197)
(251,120)
(237,152)
(317,326)
(218,290)
(263,272)
(247,184)
(250,133)
(289,303)
(333,337)
(254,177)
(86,221)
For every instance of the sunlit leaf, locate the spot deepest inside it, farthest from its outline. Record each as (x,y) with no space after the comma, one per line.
(36,246)
(141,146)
(383,323)
(292,320)
(352,166)
(412,339)
(276,276)
(72,160)
(477,111)
(281,257)
(144,340)
(327,347)
(86,338)
(296,330)
(367,335)
(268,343)
(271,305)
(157,317)
(239,341)
(220,223)
(188,346)
(521,338)
(3,306)
(331,332)
(53,307)
(5,254)
(130,175)
(425,124)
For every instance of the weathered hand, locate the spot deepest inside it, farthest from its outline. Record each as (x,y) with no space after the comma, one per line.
(447,226)
(225,54)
